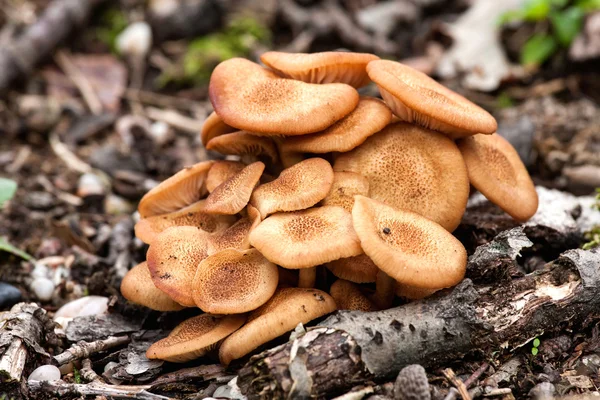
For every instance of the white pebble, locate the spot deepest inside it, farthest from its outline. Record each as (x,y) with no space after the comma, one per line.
(45,373)
(40,271)
(135,40)
(90,184)
(89,305)
(42,288)
(160,132)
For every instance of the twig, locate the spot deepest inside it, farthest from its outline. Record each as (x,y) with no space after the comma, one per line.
(20,160)
(476,375)
(63,59)
(87,372)
(69,158)
(13,361)
(85,349)
(462,389)
(161,100)
(175,119)
(61,389)
(497,392)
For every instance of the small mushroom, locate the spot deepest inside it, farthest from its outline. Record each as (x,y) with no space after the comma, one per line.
(407,247)
(137,287)
(173,258)
(252,98)
(496,170)
(237,236)
(193,215)
(195,337)
(233,195)
(413,293)
(178,191)
(413,169)
(348,296)
(234,282)
(325,67)
(345,186)
(297,188)
(220,172)
(287,308)
(357,269)
(243,144)
(214,126)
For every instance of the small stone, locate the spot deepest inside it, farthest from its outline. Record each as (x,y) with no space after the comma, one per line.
(160,132)
(89,305)
(117,205)
(9,295)
(42,288)
(45,373)
(40,271)
(412,384)
(39,200)
(90,184)
(66,368)
(135,40)
(542,391)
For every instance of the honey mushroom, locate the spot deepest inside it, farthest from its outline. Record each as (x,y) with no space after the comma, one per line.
(348,296)
(214,126)
(137,287)
(221,171)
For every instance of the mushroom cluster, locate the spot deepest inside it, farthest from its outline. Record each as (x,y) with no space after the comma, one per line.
(316,175)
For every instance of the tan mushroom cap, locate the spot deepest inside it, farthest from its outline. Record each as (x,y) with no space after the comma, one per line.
(252,98)
(193,215)
(214,126)
(237,236)
(297,188)
(326,67)
(195,337)
(496,170)
(221,171)
(234,282)
(347,296)
(304,239)
(243,143)
(137,287)
(178,191)
(233,195)
(173,258)
(414,169)
(408,247)
(413,293)
(287,308)
(345,186)
(357,269)
(415,97)
(370,116)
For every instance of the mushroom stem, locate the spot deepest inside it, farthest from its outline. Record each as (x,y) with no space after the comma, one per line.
(307,277)
(384,290)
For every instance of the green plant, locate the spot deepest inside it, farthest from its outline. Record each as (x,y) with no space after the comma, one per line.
(536,345)
(8,189)
(558,23)
(76,375)
(112,22)
(593,235)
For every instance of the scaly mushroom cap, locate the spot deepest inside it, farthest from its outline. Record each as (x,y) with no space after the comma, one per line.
(195,337)
(297,188)
(178,191)
(234,282)
(414,169)
(415,97)
(370,116)
(254,99)
(358,269)
(287,308)
(347,296)
(214,126)
(233,195)
(173,258)
(237,236)
(408,247)
(137,287)
(326,67)
(413,293)
(220,172)
(496,170)
(194,215)
(243,143)
(304,239)
(345,186)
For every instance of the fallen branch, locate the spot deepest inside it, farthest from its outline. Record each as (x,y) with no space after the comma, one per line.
(85,349)
(95,388)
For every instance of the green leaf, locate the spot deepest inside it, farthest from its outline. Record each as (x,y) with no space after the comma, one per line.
(8,188)
(567,24)
(504,100)
(9,248)
(536,342)
(559,3)
(534,351)
(588,5)
(536,10)
(538,49)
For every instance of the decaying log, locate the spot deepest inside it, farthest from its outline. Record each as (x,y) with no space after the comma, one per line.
(85,349)
(351,347)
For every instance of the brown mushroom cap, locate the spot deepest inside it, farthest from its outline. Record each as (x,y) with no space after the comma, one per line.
(413,293)
(347,296)
(194,215)
(137,287)
(326,67)
(220,172)
(234,282)
(414,169)
(415,97)
(304,239)
(358,269)
(287,308)
(243,143)
(214,126)
(496,170)
(237,236)
(173,258)
(195,337)
(254,99)
(178,191)
(370,116)
(408,247)
(345,186)
(233,195)
(297,188)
